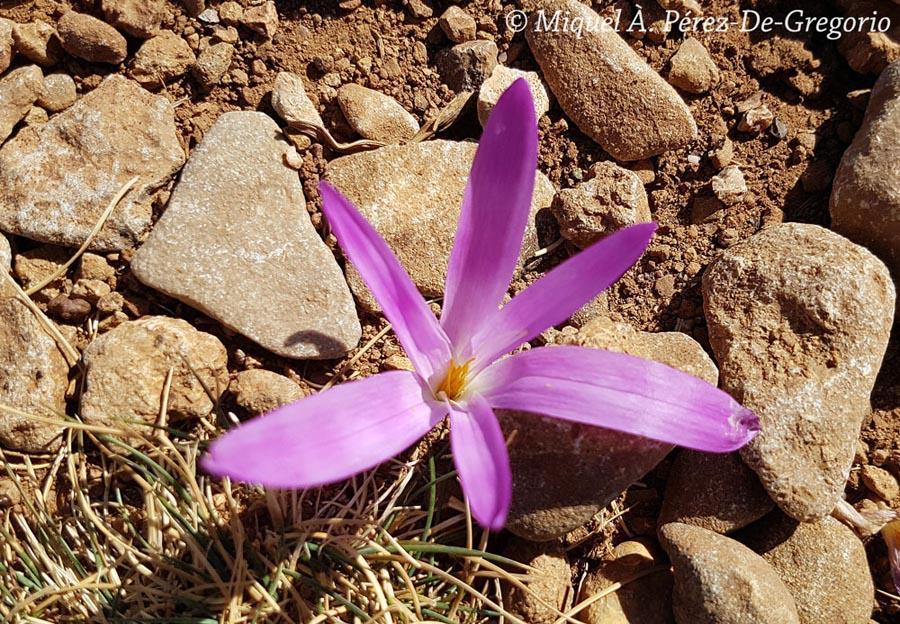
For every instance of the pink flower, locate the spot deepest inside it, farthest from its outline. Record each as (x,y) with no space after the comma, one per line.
(460,370)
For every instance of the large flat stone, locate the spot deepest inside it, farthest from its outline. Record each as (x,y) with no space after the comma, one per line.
(57,179)
(237,243)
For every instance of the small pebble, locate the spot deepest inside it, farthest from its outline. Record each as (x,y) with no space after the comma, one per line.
(58,93)
(37,42)
(692,69)
(880,482)
(458,25)
(71,310)
(263,19)
(88,38)
(465,66)
(729,185)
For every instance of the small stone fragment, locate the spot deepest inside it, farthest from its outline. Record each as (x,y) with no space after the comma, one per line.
(756,119)
(692,68)
(34,376)
(779,129)
(37,42)
(36,116)
(867,50)
(162,59)
(212,64)
(35,265)
(18,91)
(127,369)
(554,462)
(262,19)
(714,491)
(259,391)
(376,116)
(242,249)
(58,93)
(88,38)
(138,18)
(5,255)
(194,7)
(722,155)
(880,482)
(55,182)
(6,43)
(290,101)
(418,9)
(548,581)
(729,185)
(612,199)
(412,194)
(500,79)
(90,290)
(720,581)
(823,564)
(111,303)
(95,267)
(799,319)
(231,13)
(644,600)
(70,310)
(603,86)
(466,65)
(865,196)
(458,25)
(209,16)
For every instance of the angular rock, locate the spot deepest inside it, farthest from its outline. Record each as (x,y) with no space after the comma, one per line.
(262,19)
(412,195)
(69,310)
(58,93)
(549,581)
(692,68)
(290,101)
(91,39)
(720,581)
(56,182)
(6,43)
(237,243)
(127,369)
(376,116)
(34,376)
(161,59)
(714,491)
(37,42)
(466,65)
(138,18)
(18,91)
(645,600)
(555,463)
(603,86)
(865,197)
(799,319)
(35,265)
(212,64)
(259,391)
(612,199)
(880,482)
(500,79)
(458,25)
(823,565)
(729,185)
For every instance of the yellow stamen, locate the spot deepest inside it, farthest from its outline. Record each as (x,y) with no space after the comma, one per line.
(454,381)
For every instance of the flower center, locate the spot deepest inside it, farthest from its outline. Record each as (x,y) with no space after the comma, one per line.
(454,381)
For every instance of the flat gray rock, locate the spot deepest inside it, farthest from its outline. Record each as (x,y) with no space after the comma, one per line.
(57,179)
(799,319)
(34,376)
(412,194)
(603,86)
(720,581)
(237,243)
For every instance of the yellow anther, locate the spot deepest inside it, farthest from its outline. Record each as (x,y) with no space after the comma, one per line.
(454,381)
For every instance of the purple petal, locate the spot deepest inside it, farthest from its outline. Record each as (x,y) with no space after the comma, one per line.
(329,436)
(479,452)
(891,533)
(416,327)
(561,292)
(495,211)
(621,392)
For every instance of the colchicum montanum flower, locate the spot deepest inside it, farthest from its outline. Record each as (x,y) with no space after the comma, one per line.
(460,368)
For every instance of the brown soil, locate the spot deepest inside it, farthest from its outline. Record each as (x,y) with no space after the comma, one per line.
(803,80)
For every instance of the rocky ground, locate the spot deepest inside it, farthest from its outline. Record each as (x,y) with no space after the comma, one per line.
(159,209)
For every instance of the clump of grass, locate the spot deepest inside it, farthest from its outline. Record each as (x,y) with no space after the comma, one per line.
(130,532)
